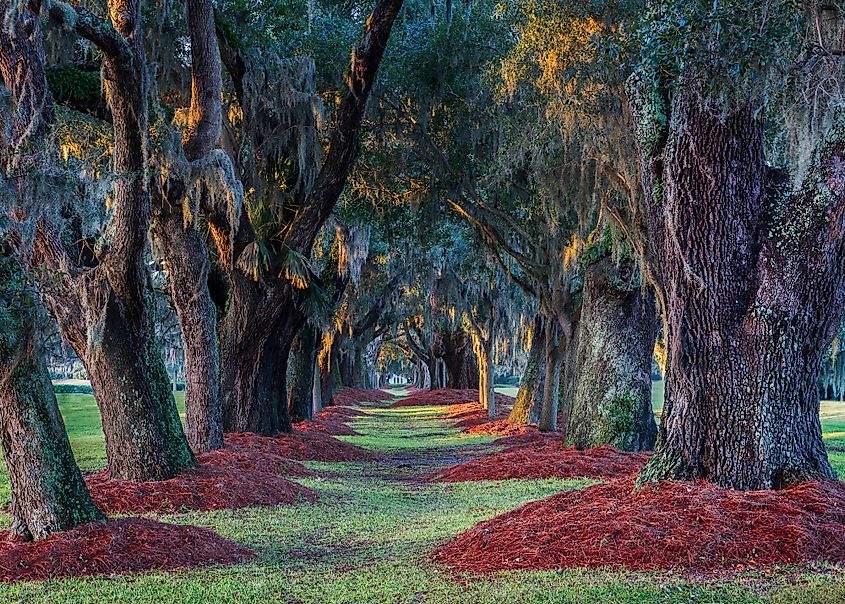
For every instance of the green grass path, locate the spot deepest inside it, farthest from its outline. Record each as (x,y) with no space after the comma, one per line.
(368,538)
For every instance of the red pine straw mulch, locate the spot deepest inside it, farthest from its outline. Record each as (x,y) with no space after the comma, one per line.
(475,420)
(355,396)
(547,458)
(249,460)
(448,396)
(530,437)
(669,525)
(250,472)
(115,547)
(230,478)
(332,421)
(302,446)
(499,427)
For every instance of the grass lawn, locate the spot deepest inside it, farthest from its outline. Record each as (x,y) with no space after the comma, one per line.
(368,538)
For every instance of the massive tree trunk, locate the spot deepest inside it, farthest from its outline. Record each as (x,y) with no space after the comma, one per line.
(749,274)
(255,345)
(143,433)
(619,323)
(103,300)
(183,247)
(461,362)
(526,408)
(303,356)
(48,493)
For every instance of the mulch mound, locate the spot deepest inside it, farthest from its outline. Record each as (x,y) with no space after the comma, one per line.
(115,547)
(698,526)
(475,420)
(302,446)
(332,421)
(448,396)
(499,427)
(356,396)
(251,471)
(229,479)
(546,458)
(530,437)
(333,426)
(249,460)
(344,411)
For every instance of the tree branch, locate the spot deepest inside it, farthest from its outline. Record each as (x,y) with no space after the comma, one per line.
(87,25)
(331,181)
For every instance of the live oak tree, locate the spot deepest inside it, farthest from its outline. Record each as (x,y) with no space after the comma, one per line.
(459,358)
(747,254)
(336,263)
(96,283)
(555,67)
(48,493)
(193,176)
(291,200)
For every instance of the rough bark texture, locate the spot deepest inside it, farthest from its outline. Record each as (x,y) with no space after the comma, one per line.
(254,366)
(182,245)
(48,493)
(526,408)
(611,404)
(748,268)
(303,355)
(143,433)
(103,300)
